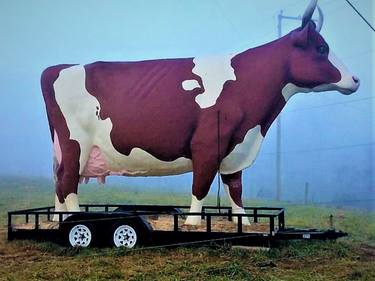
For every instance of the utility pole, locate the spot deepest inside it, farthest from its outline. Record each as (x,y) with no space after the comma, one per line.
(280,18)
(278,130)
(306,199)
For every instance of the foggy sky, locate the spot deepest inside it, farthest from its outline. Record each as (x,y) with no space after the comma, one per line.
(327,138)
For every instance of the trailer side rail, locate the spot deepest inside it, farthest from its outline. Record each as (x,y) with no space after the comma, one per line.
(274,216)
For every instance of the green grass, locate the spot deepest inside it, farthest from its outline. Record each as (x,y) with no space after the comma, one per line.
(351,258)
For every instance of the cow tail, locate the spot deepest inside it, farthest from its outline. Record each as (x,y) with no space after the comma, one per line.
(49,76)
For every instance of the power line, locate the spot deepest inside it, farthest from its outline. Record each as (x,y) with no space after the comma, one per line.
(331,148)
(331,202)
(329,104)
(323,148)
(346,201)
(365,20)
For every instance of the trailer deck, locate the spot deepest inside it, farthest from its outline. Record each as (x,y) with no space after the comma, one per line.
(157,225)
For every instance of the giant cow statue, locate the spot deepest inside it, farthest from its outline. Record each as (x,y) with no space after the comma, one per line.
(160,117)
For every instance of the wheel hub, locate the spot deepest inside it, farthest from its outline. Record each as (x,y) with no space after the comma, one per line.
(80,236)
(125,236)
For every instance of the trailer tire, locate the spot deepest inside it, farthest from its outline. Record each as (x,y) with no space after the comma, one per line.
(79,235)
(125,235)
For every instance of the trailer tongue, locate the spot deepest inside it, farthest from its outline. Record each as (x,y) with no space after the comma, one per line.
(149,225)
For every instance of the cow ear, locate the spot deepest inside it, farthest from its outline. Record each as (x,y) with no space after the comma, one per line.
(300,37)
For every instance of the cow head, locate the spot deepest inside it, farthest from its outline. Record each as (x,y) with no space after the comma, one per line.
(312,64)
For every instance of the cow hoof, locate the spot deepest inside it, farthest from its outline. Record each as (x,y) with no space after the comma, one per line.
(245,220)
(193,220)
(56,217)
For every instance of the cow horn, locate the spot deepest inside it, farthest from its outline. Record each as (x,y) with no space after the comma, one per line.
(309,12)
(321,19)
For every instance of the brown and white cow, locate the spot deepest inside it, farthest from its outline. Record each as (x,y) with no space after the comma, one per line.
(159,117)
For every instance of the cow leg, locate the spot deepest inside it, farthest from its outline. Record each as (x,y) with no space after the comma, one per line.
(205,165)
(207,151)
(68,176)
(203,175)
(59,207)
(233,187)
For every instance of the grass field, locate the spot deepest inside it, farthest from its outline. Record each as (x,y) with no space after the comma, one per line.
(351,258)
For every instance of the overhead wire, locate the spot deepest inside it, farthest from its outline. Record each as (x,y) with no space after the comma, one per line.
(344,201)
(359,13)
(322,148)
(329,104)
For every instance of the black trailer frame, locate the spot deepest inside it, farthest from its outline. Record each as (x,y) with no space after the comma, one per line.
(107,214)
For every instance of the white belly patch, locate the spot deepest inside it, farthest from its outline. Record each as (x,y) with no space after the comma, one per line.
(79,109)
(244,154)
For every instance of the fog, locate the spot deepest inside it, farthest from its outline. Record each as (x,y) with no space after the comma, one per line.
(327,138)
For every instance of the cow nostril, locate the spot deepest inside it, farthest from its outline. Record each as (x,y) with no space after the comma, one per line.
(355,79)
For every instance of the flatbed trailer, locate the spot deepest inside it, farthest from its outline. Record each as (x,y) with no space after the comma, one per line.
(149,225)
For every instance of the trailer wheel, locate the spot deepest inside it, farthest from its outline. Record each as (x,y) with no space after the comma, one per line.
(80,235)
(125,235)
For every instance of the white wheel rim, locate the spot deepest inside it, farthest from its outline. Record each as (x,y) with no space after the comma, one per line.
(125,236)
(80,236)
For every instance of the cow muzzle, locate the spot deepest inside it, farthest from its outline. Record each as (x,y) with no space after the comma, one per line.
(349,86)
(348,83)
(352,87)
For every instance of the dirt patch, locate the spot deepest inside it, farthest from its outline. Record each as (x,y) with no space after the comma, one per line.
(367,252)
(41,225)
(218,224)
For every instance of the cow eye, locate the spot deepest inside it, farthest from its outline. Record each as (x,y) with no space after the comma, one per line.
(322,49)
